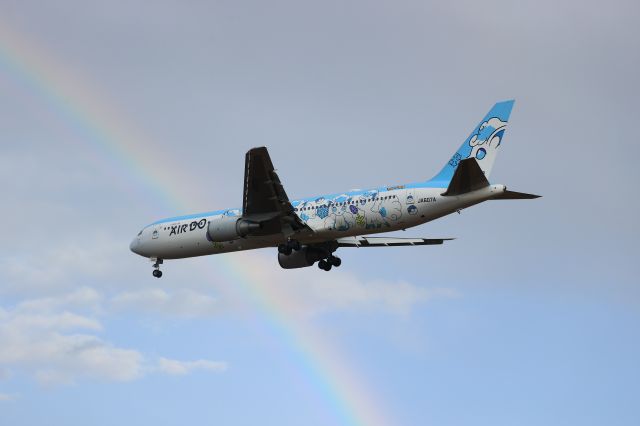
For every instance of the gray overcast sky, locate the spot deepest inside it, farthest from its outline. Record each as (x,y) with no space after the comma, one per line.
(530,316)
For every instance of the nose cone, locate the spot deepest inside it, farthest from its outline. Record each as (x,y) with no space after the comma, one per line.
(135,246)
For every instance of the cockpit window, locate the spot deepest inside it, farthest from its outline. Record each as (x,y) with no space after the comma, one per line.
(140,233)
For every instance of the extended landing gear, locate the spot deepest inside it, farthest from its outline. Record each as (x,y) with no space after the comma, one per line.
(326,264)
(156,268)
(289,247)
(308,255)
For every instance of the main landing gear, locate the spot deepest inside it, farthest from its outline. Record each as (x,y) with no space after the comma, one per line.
(289,247)
(326,264)
(156,268)
(308,255)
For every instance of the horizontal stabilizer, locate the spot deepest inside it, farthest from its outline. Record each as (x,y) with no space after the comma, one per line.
(388,241)
(513,195)
(467,177)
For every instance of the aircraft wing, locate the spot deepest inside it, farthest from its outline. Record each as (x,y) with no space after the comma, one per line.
(388,241)
(264,197)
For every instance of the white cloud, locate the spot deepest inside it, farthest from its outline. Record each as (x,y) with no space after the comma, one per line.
(53,348)
(47,322)
(55,337)
(310,292)
(60,268)
(7,397)
(64,268)
(179,368)
(184,302)
(47,341)
(82,298)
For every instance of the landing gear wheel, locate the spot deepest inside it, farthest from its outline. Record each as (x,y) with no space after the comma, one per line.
(156,267)
(295,245)
(324,265)
(335,261)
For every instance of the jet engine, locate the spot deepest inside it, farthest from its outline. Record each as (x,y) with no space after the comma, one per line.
(302,258)
(227,228)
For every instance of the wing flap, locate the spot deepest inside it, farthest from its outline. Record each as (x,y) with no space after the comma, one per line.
(388,241)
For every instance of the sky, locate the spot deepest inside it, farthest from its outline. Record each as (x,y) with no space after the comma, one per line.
(116,114)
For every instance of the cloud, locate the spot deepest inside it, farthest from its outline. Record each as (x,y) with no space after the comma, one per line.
(46,340)
(60,268)
(309,293)
(56,348)
(184,302)
(348,293)
(82,298)
(308,290)
(56,339)
(7,397)
(179,368)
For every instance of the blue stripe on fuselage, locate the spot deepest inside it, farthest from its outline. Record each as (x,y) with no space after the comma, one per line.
(187,217)
(331,197)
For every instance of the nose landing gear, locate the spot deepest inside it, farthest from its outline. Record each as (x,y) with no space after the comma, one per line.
(156,268)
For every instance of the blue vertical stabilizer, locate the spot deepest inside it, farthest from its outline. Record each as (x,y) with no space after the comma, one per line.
(482,144)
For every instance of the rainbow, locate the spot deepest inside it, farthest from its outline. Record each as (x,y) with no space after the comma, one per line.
(120,146)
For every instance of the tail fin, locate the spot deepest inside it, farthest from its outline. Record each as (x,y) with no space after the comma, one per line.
(482,144)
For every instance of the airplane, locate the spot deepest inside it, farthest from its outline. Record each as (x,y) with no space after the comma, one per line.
(310,230)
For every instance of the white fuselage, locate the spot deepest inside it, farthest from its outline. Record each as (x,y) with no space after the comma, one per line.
(329,217)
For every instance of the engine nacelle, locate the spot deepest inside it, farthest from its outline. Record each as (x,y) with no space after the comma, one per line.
(301,258)
(227,228)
